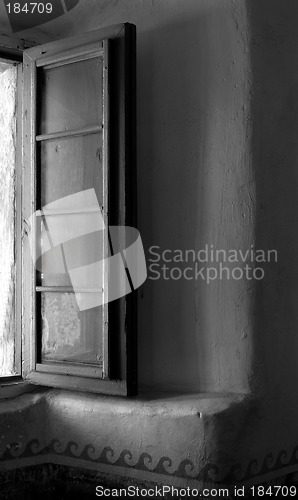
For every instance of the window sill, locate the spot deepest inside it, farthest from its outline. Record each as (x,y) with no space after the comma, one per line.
(146,403)
(162,438)
(14,388)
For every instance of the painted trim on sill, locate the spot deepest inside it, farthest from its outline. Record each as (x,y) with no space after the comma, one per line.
(270,469)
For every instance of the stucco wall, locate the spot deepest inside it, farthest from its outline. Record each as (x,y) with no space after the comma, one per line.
(274,52)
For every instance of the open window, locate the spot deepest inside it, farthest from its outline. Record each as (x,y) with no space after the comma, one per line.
(78,181)
(10,214)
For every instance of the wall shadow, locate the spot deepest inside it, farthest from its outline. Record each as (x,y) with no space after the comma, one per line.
(274,53)
(188,125)
(172,127)
(271,426)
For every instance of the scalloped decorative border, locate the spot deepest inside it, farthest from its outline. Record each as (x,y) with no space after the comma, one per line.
(185,470)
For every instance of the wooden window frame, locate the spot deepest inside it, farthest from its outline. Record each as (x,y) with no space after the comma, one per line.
(121,209)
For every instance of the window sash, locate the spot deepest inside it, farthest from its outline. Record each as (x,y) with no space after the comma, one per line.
(61,60)
(120,372)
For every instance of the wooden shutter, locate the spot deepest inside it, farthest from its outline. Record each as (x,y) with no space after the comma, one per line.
(79,144)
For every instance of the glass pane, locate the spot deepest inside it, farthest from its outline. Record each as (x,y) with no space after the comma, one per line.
(54,265)
(71,96)
(69,334)
(71,165)
(8,79)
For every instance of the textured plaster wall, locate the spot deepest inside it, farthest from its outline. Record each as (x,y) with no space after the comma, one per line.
(274,52)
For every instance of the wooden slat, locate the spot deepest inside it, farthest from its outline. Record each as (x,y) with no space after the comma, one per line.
(69,59)
(46,50)
(29,204)
(69,211)
(105,173)
(67,289)
(71,56)
(65,368)
(112,387)
(70,133)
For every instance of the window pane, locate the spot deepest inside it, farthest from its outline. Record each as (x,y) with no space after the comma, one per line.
(69,334)
(54,265)
(71,96)
(8,360)
(71,165)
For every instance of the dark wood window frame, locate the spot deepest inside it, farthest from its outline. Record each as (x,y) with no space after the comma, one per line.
(121,378)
